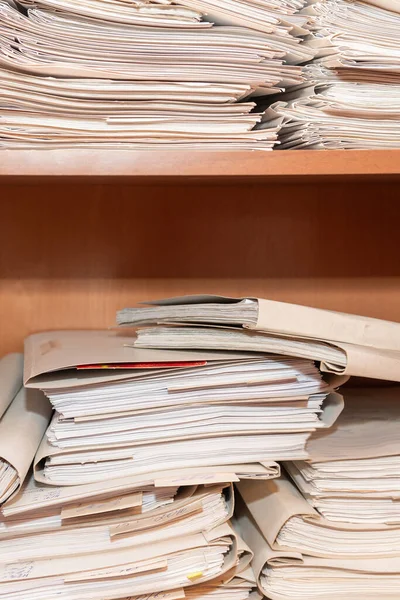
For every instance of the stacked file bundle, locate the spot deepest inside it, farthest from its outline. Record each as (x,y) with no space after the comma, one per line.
(351,98)
(136,537)
(341,536)
(115,540)
(131,491)
(135,74)
(353,474)
(157,413)
(340,343)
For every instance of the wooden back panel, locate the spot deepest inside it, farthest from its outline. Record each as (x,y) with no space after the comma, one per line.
(72,253)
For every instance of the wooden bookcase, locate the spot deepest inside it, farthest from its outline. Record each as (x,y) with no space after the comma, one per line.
(85,233)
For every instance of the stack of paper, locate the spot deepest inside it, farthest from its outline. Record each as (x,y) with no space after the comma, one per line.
(24,419)
(351,99)
(354,473)
(136,74)
(297,552)
(339,537)
(228,414)
(117,539)
(343,344)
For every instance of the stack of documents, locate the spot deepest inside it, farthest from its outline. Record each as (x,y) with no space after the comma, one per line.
(229,414)
(299,553)
(354,472)
(262,15)
(343,344)
(337,534)
(136,74)
(118,539)
(24,417)
(351,98)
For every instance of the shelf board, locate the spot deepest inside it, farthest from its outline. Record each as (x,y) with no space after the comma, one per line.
(162,164)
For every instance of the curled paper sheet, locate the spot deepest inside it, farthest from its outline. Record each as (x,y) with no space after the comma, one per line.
(11,370)
(21,430)
(24,416)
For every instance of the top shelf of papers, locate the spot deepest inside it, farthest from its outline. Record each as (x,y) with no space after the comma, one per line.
(202,165)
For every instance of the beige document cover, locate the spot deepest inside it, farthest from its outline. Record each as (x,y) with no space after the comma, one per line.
(271,506)
(368,428)
(94,526)
(21,430)
(51,358)
(302,321)
(144,542)
(289,523)
(37,496)
(154,567)
(47,453)
(371,346)
(11,369)
(278,570)
(352,474)
(86,442)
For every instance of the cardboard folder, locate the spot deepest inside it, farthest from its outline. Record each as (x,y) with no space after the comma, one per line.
(52,358)
(371,346)
(273,568)
(24,419)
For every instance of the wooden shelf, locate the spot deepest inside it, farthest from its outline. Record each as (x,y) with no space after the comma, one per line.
(161,164)
(84,233)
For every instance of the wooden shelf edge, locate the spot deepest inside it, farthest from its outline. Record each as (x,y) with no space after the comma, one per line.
(198,164)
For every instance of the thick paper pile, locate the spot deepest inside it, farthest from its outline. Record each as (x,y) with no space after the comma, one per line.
(144,73)
(298,553)
(342,343)
(25,415)
(141,541)
(338,533)
(125,538)
(229,414)
(351,98)
(289,522)
(354,473)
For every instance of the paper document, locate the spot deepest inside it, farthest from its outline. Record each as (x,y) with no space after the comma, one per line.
(289,522)
(22,427)
(231,408)
(343,343)
(11,370)
(353,474)
(279,571)
(118,541)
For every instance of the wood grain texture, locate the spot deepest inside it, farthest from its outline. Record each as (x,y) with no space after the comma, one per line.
(72,254)
(153,164)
